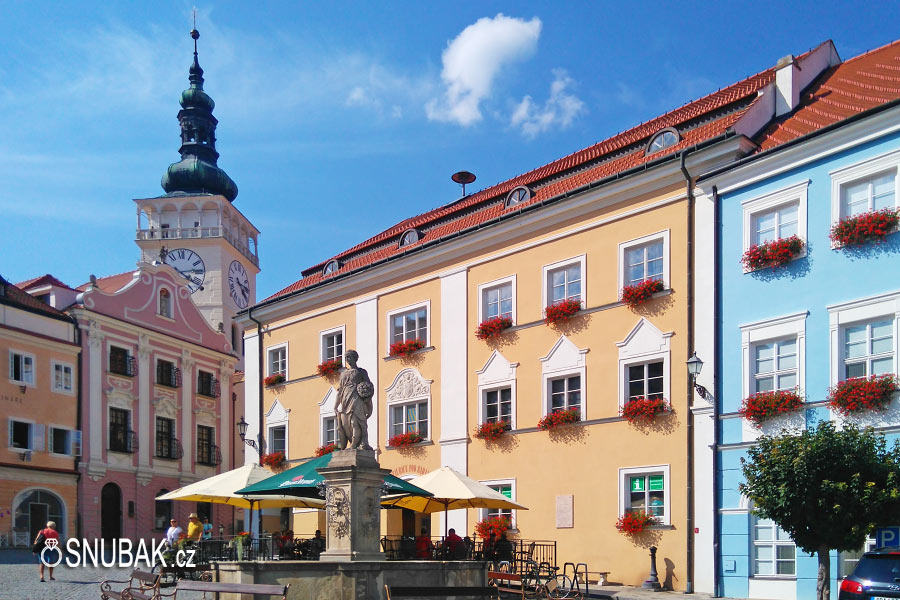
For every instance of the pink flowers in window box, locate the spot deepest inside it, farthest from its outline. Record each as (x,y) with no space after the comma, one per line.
(275,379)
(402,440)
(326,449)
(492,328)
(632,523)
(637,294)
(405,348)
(561,312)
(775,253)
(867,227)
(762,406)
(860,394)
(641,409)
(492,431)
(559,418)
(329,367)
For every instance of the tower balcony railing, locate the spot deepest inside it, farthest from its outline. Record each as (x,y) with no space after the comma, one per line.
(193,233)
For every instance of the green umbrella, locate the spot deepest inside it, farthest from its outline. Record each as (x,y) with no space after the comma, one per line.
(303,480)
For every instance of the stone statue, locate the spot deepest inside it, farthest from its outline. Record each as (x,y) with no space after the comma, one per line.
(353,405)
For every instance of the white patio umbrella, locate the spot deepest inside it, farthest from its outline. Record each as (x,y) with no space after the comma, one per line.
(452,490)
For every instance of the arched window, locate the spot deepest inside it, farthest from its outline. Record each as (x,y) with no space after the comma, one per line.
(331,267)
(662,140)
(518,195)
(165,303)
(30,509)
(163,512)
(410,237)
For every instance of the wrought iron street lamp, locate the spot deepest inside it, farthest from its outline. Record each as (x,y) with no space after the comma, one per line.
(694,366)
(242,431)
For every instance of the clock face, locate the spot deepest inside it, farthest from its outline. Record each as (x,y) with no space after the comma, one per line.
(239,284)
(189,264)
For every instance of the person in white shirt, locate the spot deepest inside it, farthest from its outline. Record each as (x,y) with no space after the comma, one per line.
(173,532)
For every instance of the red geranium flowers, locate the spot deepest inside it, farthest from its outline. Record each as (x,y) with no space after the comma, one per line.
(762,406)
(641,409)
(860,229)
(853,396)
(774,253)
(492,328)
(637,294)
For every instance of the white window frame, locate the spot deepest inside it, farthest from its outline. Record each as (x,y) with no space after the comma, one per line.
(792,326)
(271,437)
(269,350)
(663,358)
(485,287)
(546,270)
(407,402)
(322,429)
(24,355)
(643,241)
(69,439)
(497,373)
(389,336)
(326,411)
(512,484)
(638,348)
(33,428)
(862,170)
(323,334)
(548,394)
(565,359)
(796,192)
(625,490)
(171,307)
(482,409)
(70,391)
(855,312)
(774,544)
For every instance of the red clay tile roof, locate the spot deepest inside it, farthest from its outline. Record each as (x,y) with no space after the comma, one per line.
(14,295)
(847,89)
(47,279)
(111,283)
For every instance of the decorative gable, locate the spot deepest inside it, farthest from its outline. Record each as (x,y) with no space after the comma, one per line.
(326,406)
(496,369)
(408,385)
(277,413)
(644,339)
(564,356)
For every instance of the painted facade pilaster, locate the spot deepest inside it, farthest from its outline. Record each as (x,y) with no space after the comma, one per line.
(146,428)
(95,399)
(367,347)
(226,427)
(187,412)
(251,394)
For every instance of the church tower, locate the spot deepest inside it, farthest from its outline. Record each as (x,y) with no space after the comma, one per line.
(195,227)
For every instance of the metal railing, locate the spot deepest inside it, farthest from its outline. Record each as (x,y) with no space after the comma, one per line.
(209,455)
(398,547)
(168,376)
(122,439)
(208,387)
(122,365)
(170,449)
(174,233)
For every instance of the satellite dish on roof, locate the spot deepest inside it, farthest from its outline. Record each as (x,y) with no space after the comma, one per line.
(462,178)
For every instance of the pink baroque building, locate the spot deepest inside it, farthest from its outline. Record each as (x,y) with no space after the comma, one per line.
(157,411)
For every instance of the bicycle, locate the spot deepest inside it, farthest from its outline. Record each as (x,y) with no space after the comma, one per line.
(542,580)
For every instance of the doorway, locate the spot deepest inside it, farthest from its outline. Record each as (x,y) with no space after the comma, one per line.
(111,512)
(38,515)
(409,523)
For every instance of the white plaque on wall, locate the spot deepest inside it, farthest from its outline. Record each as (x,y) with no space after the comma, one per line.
(565,511)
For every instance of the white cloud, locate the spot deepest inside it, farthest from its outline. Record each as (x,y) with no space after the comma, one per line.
(558,111)
(473,60)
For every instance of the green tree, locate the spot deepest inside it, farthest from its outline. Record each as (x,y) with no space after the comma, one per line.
(827,488)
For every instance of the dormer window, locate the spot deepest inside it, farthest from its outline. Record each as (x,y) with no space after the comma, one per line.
(409,238)
(518,195)
(165,303)
(663,139)
(331,267)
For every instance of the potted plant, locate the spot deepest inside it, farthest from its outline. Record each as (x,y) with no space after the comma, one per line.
(642,409)
(863,228)
(861,394)
(273,460)
(561,312)
(762,406)
(637,294)
(492,525)
(406,348)
(273,380)
(326,449)
(404,440)
(772,254)
(559,418)
(492,328)
(241,540)
(492,430)
(634,522)
(329,367)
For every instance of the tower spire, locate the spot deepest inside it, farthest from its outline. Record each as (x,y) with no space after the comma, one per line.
(197,171)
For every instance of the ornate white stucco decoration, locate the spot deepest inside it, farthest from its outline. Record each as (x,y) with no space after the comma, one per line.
(165,406)
(119,399)
(277,413)
(496,369)
(564,356)
(644,338)
(326,406)
(205,417)
(408,385)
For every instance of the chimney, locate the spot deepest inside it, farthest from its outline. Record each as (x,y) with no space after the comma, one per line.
(787,85)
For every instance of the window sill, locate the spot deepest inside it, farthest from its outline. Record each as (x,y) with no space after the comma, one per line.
(214,397)
(119,374)
(422,443)
(166,385)
(118,451)
(419,351)
(774,577)
(747,271)
(166,317)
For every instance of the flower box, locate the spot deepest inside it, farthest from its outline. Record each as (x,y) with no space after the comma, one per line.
(641,409)
(772,254)
(275,379)
(559,418)
(561,312)
(492,525)
(274,460)
(762,406)
(492,327)
(403,440)
(860,394)
(867,227)
(492,431)
(326,449)
(329,367)
(637,294)
(632,523)
(405,348)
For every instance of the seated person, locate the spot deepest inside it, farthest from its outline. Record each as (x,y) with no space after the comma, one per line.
(423,544)
(452,544)
(504,549)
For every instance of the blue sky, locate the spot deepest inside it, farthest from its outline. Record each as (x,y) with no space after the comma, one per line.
(339,119)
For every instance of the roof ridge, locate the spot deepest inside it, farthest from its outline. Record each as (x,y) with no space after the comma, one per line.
(874,50)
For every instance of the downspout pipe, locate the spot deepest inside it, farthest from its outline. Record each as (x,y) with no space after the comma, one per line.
(259,438)
(717,363)
(689,416)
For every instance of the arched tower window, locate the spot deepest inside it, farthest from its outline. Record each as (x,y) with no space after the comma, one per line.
(165,303)
(518,195)
(331,267)
(663,139)
(410,237)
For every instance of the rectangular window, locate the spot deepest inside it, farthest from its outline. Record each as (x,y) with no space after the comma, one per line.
(62,377)
(773,550)
(333,346)
(777,223)
(646,380)
(120,362)
(121,438)
(498,405)
(206,450)
(60,441)
(165,438)
(647,493)
(328,431)
(207,384)
(564,283)
(278,361)
(565,393)
(21,368)
(498,301)
(167,374)
(872,193)
(278,439)
(410,417)
(506,490)
(644,262)
(868,349)
(410,325)
(20,435)
(775,365)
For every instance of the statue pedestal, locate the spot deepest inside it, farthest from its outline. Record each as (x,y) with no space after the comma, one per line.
(353,506)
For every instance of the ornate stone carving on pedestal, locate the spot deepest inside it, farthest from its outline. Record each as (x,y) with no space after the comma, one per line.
(353,481)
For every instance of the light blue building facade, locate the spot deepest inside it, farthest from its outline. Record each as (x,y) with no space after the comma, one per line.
(829,314)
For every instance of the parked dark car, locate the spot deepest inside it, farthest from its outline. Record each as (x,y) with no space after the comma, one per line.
(876,577)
